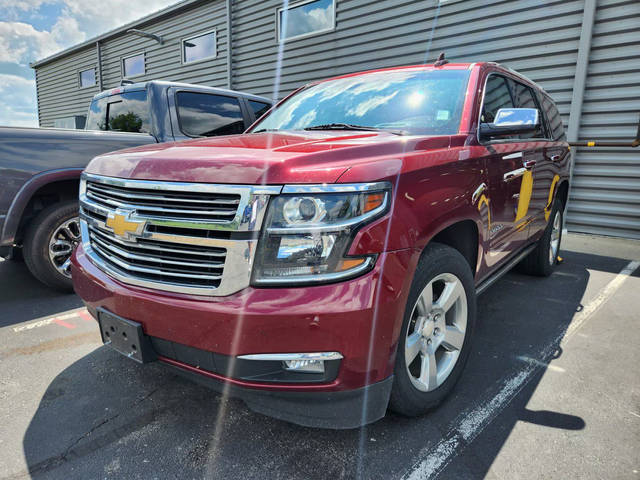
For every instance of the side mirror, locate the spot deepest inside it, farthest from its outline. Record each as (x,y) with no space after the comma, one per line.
(511,121)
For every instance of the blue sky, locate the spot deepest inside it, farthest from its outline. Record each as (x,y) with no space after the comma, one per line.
(34,29)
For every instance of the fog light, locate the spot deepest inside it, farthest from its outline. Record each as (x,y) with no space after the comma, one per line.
(306,366)
(297,362)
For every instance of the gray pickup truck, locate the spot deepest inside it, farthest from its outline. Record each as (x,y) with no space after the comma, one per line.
(40,167)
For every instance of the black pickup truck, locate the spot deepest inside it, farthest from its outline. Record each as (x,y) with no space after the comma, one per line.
(40,167)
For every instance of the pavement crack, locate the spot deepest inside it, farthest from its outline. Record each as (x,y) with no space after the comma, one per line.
(54,462)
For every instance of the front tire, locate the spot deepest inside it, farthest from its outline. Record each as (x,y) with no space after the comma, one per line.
(436,334)
(49,242)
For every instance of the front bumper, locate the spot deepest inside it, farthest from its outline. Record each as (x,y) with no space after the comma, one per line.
(359,318)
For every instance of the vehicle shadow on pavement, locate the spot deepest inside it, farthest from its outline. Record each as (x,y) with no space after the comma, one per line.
(23,298)
(106,416)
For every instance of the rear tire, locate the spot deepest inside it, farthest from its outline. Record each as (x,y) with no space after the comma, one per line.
(438,325)
(49,242)
(542,261)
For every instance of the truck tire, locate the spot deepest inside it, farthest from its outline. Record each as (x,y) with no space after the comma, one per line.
(542,261)
(49,242)
(437,330)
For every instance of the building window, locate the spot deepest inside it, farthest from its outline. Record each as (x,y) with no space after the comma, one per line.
(206,115)
(200,47)
(259,108)
(306,18)
(133,65)
(87,78)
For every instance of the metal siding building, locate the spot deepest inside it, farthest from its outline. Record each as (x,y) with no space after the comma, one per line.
(585,53)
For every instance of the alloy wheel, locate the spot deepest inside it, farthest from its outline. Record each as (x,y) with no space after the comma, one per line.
(61,244)
(436,332)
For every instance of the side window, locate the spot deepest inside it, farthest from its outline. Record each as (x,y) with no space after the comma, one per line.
(259,108)
(554,118)
(523,98)
(496,96)
(207,115)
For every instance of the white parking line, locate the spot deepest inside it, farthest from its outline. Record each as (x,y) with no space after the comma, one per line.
(470,424)
(41,322)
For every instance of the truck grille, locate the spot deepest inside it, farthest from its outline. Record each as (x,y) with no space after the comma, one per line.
(178,205)
(182,237)
(157,262)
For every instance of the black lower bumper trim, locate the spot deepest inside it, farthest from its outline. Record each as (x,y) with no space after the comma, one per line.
(332,410)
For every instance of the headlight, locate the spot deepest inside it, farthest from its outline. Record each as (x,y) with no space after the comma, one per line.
(309,229)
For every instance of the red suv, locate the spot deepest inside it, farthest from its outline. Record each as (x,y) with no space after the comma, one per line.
(324,265)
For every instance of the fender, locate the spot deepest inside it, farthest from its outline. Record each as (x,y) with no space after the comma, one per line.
(24,195)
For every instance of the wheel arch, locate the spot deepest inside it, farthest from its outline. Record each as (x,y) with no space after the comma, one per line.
(462,235)
(38,193)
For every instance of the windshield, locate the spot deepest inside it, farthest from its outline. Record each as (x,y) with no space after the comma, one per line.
(127,112)
(414,102)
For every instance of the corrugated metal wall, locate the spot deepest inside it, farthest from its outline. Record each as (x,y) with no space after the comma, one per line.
(164,61)
(59,94)
(57,82)
(539,38)
(605,193)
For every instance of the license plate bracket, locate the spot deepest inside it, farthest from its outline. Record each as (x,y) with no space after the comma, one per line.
(125,336)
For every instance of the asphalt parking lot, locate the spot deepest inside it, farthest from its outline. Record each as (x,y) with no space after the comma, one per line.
(552,390)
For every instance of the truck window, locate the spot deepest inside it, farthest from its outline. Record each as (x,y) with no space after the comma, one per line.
(496,96)
(206,115)
(523,98)
(125,112)
(554,118)
(259,108)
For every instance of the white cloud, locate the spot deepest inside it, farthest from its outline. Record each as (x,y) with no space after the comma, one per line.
(17,101)
(20,42)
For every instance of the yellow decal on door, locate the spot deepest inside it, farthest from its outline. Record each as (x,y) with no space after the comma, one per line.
(526,187)
(547,209)
(485,201)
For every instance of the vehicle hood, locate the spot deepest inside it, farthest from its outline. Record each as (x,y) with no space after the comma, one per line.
(262,158)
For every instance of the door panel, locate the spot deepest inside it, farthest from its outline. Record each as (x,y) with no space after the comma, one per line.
(509,192)
(508,181)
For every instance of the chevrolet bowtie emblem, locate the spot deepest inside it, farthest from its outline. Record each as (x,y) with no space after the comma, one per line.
(122,227)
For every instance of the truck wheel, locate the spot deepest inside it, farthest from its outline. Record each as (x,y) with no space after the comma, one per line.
(436,334)
(49,242)
(542,261)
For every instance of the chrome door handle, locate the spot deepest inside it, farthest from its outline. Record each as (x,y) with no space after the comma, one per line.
(514,174)
(477,193)
(529,164)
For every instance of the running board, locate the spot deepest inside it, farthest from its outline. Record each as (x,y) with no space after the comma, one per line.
(504,269)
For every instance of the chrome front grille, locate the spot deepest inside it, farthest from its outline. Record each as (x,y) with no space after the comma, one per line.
(208,206)
(182,237)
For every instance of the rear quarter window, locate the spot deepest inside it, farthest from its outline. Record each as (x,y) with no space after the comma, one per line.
(259,108)
(554,118)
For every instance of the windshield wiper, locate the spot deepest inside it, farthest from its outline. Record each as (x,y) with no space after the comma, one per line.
(350,126)
(266,130)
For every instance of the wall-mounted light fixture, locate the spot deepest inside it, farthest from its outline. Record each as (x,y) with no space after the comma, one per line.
(142,33)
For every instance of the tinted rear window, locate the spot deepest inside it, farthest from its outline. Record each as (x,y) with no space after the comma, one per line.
(126,112)
(554,118)
(259,108)
(207,115)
